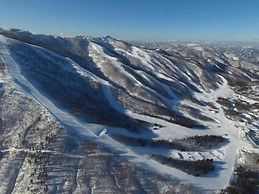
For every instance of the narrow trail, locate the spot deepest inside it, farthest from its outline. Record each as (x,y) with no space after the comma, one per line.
(36,151)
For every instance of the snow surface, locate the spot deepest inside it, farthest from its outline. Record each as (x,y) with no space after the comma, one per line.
(224,156)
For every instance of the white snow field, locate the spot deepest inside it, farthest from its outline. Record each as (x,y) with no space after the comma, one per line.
(225,157)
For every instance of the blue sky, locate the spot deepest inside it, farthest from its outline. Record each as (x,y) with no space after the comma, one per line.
(191,20)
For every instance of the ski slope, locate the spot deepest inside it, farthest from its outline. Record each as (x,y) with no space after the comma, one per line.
(225,156)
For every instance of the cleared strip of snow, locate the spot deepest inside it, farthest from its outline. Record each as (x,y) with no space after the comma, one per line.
(113,62)
(142,56)
(87,73)
(231,56)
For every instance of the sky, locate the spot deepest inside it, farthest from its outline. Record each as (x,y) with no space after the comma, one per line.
(160,20)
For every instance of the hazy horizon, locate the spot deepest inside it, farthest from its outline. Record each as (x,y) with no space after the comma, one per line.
(146,20)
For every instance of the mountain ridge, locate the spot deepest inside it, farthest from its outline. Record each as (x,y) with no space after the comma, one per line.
(134,99)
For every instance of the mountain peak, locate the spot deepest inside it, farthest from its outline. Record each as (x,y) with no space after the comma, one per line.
(108,37)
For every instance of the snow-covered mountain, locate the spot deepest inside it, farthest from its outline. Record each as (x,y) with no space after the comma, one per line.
(96,115)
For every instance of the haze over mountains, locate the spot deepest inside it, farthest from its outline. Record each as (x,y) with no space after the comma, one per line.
(99,115)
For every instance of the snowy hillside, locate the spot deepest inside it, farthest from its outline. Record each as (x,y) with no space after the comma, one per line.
(96,115)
